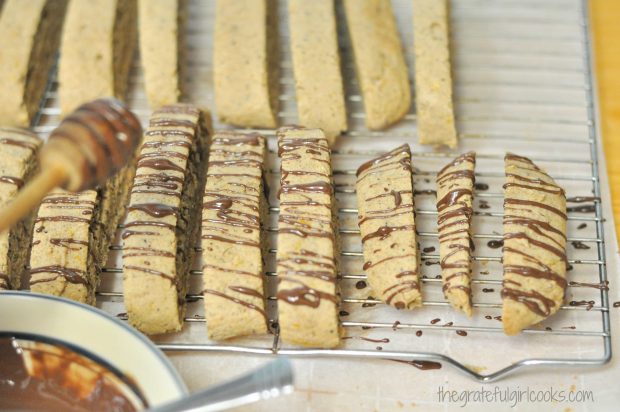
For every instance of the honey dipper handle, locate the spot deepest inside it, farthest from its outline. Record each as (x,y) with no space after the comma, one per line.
(31,195)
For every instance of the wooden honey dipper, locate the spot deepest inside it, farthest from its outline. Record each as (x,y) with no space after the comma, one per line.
(88,147)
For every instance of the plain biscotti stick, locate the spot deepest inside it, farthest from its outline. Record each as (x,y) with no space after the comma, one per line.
(18,162)
(308,295)
(30,33)
(161,227)
(534,245)
(379,61)
(97,47)
(455,185)
(232,246)
(387,227)
(316,63)
(245,62)
(433,79)
(160,33)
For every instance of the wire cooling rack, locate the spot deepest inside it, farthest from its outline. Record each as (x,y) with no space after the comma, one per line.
(523,83)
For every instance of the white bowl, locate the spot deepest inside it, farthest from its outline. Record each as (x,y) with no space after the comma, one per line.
(98,333)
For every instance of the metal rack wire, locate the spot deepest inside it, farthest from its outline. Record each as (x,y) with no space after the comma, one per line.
(523,82)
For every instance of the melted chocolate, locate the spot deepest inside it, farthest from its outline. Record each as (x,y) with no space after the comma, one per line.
(12,180)
(304,295)
(582,209)
(50,384)
(18,143)
(600,286)
(589,304)
(580,245)
(155,209)
(67,242)
(236,300)
(583,199)
(75,276)
(160,164)
(481,186)
(422,365)
(495,244)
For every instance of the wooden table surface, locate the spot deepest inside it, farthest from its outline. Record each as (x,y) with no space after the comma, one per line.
(605,15)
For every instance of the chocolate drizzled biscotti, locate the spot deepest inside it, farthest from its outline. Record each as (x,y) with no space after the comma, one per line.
(455,185)
(379,61)
(30,33)
(386,220)
(160,229)
(534,245)
(433,77)
(97,47)
(232,244)
(18,162)
(245,62)
(316,63)
(308,295)
(73,233)
(161,25)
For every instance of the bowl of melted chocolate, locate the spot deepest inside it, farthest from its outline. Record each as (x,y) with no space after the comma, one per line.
(36,375)
(59,355)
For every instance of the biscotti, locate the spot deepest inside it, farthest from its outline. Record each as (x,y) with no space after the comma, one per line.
(97,47)
(18,162)
(245,62)
(455,185)
(433,79)
(30,33)
(160,33)
(379,61)
(232,244)
(72,236)
(316,63)
(534,245)
(308,296)
(387,227)
(160,230)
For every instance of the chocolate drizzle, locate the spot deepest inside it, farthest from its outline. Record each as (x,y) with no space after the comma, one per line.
(454,211)
(154,209)
(12,181)
(75,276)
(236,300)
(170,151)
(230,215)
(306,212)
(532,217)
(388,217)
